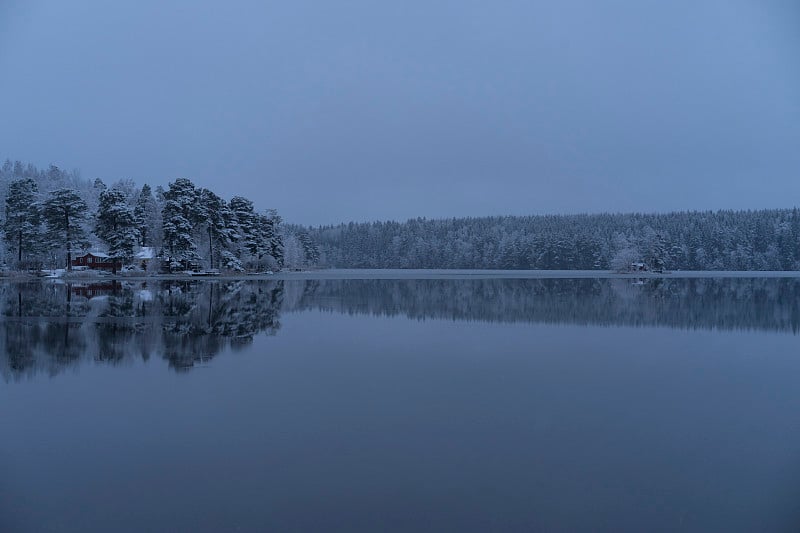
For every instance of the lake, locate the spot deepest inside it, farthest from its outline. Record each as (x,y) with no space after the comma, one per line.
(487,404)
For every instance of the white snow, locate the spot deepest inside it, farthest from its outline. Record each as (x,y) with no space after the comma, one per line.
(147,252)
(521,274)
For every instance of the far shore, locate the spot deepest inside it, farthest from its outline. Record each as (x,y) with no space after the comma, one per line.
(399,274)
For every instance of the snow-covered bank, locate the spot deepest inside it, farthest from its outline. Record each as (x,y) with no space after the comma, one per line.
(519,274)
(356,274)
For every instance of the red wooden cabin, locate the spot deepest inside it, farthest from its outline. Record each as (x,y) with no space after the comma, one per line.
(97,261)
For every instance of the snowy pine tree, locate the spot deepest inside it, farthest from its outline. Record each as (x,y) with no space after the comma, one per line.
(115,224)
(310,251)
(22,226)
(147,217)
(249,241)
(219,223)
(271,240)
(64,213)
(180,215)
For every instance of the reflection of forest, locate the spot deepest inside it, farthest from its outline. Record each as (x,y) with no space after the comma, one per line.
(757,303)
(51,326)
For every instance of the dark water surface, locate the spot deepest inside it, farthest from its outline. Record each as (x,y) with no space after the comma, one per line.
(401,405)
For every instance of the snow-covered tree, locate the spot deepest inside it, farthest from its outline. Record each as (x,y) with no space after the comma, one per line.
(147,216)
(64,213)
(271,233)
(115,224)
(180,215)
(310,251)
(293,256)
(22,227)
(249,238)
(219,222)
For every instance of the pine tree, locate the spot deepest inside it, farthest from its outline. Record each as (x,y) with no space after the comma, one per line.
(180,215)
(64,213)
(247,224)
(23,218)
(146,214)
(310,250)
(116,226)
(657,255)
(270,237)
(55,176)
(219,220)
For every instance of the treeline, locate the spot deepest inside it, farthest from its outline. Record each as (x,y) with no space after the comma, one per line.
(720,240)
(51,214)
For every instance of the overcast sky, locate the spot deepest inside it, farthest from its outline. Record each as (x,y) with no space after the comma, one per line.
(362,110)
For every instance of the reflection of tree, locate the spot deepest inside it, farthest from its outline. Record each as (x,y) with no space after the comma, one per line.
(203,317)
(20,340)
(703,303)
(49,326)
(64,342)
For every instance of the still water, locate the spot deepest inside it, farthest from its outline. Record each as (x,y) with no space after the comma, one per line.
(401,405)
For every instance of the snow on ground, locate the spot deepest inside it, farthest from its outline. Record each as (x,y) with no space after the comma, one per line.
(444,274)
(519,274)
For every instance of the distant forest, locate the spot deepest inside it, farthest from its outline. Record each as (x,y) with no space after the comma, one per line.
(50,215)
(719,240)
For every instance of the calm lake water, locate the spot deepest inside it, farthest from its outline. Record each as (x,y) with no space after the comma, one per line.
(401,405)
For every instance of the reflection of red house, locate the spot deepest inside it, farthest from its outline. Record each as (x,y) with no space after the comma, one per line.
(96,261)
(94,289)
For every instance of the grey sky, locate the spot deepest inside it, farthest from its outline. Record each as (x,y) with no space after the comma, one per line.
(361,110)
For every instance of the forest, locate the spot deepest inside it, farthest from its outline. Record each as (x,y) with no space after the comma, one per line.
(708,240)
(51,215)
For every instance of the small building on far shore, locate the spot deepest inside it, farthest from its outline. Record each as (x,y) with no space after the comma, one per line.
(97,261)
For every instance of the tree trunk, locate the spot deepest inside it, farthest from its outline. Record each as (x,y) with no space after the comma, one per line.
(19,248)
(69,244)
(114,259)
(210,247)
(210,304)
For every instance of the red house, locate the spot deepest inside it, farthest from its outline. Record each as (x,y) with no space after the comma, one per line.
(97,261)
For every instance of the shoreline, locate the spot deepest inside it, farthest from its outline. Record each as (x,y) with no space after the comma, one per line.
(413,274)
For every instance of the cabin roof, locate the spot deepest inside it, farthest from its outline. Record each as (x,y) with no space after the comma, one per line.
(147,252)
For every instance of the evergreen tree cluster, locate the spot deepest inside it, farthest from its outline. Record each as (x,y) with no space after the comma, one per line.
(200,227)
(50,215)
(720,240)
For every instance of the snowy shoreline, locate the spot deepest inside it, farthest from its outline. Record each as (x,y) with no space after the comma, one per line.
(519,274)
(412,274)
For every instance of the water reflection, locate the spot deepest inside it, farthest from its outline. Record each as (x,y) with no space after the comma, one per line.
(51,327)
(770,304)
